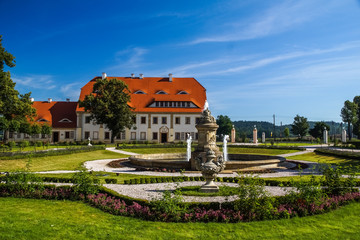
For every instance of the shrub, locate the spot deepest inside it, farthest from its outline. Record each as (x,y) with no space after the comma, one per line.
(84,183)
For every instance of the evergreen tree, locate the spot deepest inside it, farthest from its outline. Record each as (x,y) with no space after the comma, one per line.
(348,115)
(108,104)
(14,107)
(317,131)
(225,125)
(300,126)
(356,124)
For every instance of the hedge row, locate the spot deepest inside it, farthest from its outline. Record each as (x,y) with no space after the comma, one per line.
(66,151)
(267,182)
(124,146)
(66,180)
(336,153)
(267,147)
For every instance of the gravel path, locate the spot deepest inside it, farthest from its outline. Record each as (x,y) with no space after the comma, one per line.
(155,190)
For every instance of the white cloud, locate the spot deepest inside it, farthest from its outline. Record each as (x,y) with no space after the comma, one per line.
(36,81)
(71,90)
(274,20)
(130,58)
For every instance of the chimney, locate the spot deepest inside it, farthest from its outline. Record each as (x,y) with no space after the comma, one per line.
(141,76)
(104,75)
(170,77)
(49,100)
(32,99)
(133,75)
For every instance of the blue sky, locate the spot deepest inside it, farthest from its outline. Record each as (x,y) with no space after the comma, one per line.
(255,58)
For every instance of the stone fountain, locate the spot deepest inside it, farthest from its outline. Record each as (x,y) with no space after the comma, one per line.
(207,158)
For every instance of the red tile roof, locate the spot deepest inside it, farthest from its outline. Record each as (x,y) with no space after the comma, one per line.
(151,85)
(54,112)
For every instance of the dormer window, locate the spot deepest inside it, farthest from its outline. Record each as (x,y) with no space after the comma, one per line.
(182,92)
(65,120)
(161,92)
(139,92)
(42,120)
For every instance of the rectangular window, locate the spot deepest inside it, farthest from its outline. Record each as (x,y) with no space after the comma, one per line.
(67,135)
(157,104)
(95,135)
(197,120)
(164,120)
(133,136)
(11,134)
(143,136)
(107,135)
(87,135)
(187,120)
(155,120)
(196,136)
(188,104)
(143,120)
(43,136)
(177,136)
(134,119)
(182,136)
(177,120)
(155,136)
(87,119)
(18,135)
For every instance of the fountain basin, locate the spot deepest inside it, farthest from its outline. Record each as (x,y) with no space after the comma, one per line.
(162,160)
(178,161)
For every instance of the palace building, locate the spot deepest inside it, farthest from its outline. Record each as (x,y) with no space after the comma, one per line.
(166,109)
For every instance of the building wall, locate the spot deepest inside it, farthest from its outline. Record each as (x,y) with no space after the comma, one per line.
(145,129)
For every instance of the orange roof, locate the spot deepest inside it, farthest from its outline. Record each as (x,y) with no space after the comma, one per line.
(56,114)
(152,85)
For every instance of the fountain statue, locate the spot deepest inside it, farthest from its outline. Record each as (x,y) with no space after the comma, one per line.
(226,138)
(207,158)
(188,149)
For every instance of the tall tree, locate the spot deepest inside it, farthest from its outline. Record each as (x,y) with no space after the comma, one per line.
(356,124)
(286,132)
(225,125)
(300,126)
(108,104)
(14,107)
(348,115)
(317,131)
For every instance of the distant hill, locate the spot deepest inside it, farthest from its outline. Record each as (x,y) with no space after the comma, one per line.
(267,127)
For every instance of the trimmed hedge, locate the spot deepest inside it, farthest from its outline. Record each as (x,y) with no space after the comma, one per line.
(267,182)
(267,147)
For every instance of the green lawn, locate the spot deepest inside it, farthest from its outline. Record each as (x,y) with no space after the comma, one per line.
(290,144)
(45,219)
(262,151)
(61,162)
(314,157)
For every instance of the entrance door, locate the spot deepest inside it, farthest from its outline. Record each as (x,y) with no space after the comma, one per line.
(55,137)
(163,137)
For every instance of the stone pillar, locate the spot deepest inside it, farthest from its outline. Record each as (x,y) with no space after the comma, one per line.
(343,135)
(255,135)
(263,137)
(325,136)
(233,134)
